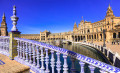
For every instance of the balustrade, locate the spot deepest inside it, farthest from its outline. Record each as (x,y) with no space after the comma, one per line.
(58,62)
(42,60)
(36,53)
(52,61)
(47,61)
(82,66)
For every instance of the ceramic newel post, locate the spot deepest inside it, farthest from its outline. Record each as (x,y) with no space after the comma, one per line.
(14,18)
(14,33)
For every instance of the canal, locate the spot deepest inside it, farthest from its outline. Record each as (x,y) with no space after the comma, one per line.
(81,49)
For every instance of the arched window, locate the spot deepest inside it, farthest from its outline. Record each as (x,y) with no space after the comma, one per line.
(88,31)
(114,35)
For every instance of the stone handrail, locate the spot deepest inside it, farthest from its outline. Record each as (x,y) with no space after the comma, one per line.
(29,50)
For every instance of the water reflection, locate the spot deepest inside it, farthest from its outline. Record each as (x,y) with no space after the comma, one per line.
(84,50)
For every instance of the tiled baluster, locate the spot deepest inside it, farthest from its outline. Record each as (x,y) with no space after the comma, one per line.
(65,66)
(26,52)
(23,51)
(47,61)
(92,68)
(82,66)
(42,60)
(73,70)
(5,44)
(30,53)
(8,45)
(52,61)
(2,44)
(58,62)
(38,56)
(18,48)
(33,47)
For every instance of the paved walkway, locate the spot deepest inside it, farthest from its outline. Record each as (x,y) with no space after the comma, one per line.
(11,66)
(114,48)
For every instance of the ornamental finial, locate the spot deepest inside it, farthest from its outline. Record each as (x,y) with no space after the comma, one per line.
(14,18)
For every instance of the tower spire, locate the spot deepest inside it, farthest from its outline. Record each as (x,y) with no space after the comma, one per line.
(109,7)
(3,18)
(109,11)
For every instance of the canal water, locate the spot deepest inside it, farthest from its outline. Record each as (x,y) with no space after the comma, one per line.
(81,49)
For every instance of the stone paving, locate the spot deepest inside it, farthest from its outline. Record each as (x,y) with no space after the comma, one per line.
(12,66)
(114,48)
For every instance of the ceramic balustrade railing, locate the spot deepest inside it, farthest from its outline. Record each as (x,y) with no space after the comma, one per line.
(4,45)
(105,51)
(35,55)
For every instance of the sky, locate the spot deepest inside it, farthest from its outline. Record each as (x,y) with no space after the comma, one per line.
(55,15)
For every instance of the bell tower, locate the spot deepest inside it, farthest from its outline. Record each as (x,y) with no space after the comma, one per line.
(109,12)
(3,27)
(75,27)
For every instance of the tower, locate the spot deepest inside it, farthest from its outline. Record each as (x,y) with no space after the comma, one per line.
(109,12)
(4,31)
(75,27)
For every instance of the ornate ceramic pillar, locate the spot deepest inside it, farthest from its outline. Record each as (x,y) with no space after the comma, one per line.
(52,61)
(82,66)
(92,68)
(58,62)
(47,61)
(65,66)
(42,60)
(38,57)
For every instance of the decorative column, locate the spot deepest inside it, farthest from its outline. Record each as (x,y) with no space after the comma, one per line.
(65,66)
(38,56)
(23,51)
(30,53)
(14,33)
(26,52)
(58,62)
(92,68)
(47,61)
(42,60)
(82,66)
(104,45)
(33,47)
(73,70)
(52,61)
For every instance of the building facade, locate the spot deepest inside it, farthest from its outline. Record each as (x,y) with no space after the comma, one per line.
(87,31)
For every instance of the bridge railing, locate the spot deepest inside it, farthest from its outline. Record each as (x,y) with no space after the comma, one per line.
(35,54)
(4,45)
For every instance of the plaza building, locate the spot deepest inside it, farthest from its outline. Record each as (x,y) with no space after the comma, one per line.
(85,31)
(90,32)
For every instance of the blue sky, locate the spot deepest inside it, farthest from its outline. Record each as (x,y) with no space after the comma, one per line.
(55,15)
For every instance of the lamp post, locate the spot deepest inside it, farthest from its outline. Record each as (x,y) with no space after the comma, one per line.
(104,45)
